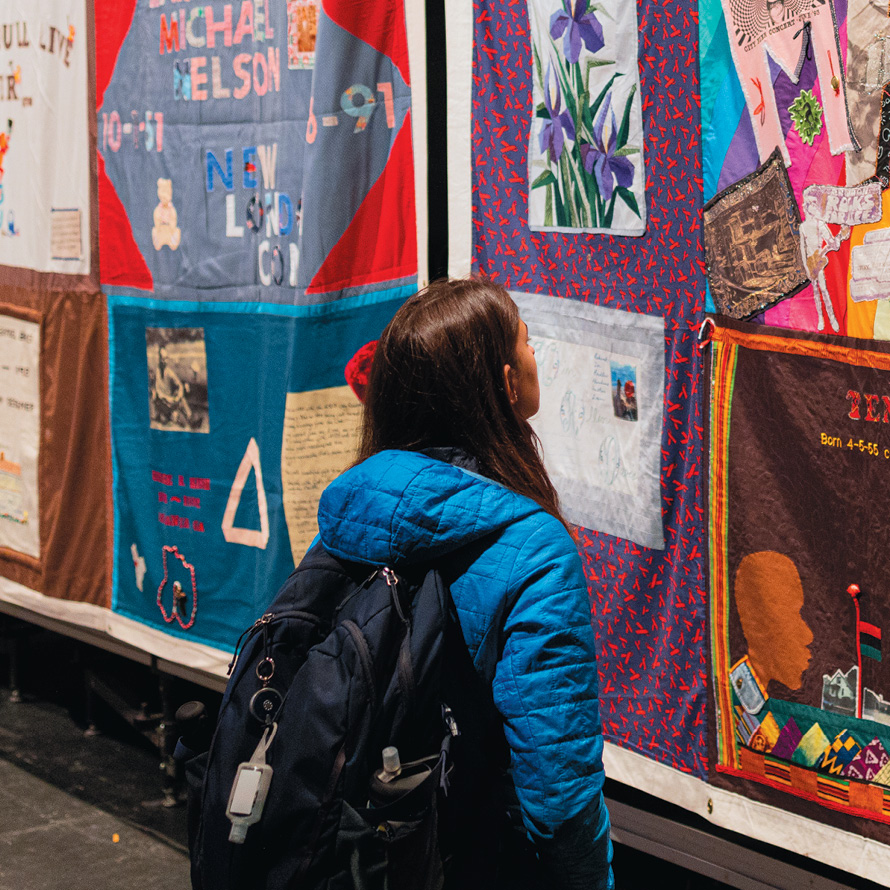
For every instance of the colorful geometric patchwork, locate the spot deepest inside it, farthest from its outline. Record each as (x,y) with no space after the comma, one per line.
(883,775)
(769,729)
(758,735)
(746,725)
(868,762)
(812,746)
(777,770)
(842,751)
(789,739)
(836,790)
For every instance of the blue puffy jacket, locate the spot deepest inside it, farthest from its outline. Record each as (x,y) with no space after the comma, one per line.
(521,598)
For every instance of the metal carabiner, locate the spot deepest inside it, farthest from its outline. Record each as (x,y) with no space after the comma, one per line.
(704,332)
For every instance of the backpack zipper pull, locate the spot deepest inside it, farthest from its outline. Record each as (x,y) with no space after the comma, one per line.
(260,622)
(393,581)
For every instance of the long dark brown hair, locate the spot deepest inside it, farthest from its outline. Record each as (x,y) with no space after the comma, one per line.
(437,380)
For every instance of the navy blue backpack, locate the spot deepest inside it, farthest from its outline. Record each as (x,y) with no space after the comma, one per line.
(349,660)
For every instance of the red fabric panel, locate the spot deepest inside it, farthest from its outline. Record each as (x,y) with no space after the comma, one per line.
(113,19)
(384,29)
(836,274)
(121,261)
(382,236)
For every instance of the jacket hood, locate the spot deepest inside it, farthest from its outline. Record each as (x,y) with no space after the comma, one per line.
(403,507)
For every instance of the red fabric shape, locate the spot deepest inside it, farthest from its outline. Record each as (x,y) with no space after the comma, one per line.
(113,20)
(381,241)
(384,29)
(358,369)
(120,260)
(836,273)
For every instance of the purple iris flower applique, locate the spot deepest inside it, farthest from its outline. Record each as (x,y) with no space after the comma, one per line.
(599,158)
(578,25)
(551,135)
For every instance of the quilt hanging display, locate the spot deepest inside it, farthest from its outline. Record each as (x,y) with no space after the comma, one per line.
(226,429)
(262,183)
(255,151)
(799,453)
(55,473)
(45,213)
(796,79)
(648,589)
(585,155)
(55,462)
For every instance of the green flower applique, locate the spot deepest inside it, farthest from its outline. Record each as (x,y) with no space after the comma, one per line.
(807,116)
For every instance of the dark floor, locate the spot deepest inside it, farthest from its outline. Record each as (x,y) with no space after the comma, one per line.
(86,810)
(50,839)
(80,810)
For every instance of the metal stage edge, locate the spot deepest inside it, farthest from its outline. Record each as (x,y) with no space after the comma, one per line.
(118,647)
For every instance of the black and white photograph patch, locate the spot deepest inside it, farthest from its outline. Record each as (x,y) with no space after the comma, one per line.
(752,242)
(177,379)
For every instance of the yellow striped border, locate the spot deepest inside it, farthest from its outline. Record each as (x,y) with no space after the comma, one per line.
(723,366)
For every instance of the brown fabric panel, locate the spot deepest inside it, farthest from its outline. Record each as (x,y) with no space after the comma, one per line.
(822,506)
(74,485)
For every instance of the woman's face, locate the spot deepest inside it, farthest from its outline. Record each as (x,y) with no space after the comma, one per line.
(522,376)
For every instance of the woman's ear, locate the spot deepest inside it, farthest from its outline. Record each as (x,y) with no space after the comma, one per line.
(510,384)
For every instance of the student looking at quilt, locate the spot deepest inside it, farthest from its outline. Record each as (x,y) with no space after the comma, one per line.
(449,472)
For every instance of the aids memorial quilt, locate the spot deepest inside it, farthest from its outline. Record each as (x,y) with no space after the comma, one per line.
(54,452)
(798,78)
(226,428)
(45,206)
(651,607)
(636,296)
(252,210)
(255,151)
(799,449)
(258,227)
